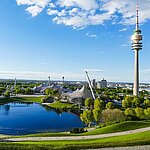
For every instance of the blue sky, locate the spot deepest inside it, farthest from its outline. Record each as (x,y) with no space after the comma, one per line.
(40,39)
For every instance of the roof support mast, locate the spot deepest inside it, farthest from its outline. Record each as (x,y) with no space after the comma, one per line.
(88,79)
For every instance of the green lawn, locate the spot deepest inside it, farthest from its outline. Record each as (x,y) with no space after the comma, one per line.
(126,140)
(61,105)
(21,99)
(31,99)
(119,127)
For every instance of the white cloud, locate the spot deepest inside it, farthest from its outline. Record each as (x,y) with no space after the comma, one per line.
(146,71)
(91,35)
(34,10)
(93,70)
(125,45)
(34,6)
(84,4)
(51,5)
(41,3)
(81,13)
(41,75)
(122,30)
(75,21)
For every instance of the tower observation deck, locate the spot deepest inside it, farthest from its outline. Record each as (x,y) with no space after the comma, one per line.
(136,46)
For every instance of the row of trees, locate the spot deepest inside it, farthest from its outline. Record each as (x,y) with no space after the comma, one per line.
(96,112)
(133,102)
(26,91)
(90,104)
(118,93)
(112,93)
(138,113)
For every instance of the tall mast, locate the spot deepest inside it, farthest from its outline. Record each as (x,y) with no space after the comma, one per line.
(136,46)
(88,78)
(137,16)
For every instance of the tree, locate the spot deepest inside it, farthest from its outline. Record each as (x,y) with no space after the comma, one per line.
(147,113)
(83,118)
(130,112)
(28,91)
(17,90)
(97,114)
(48,91)
(127,102)
(2,90)
(136,102)
(96,103)
(112,116)
(147,103)
(87,117)
(102,104)
(7,94)
(89,102)
(140,113)
(109,105)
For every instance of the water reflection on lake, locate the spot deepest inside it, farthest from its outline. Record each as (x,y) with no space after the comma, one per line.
(26,118)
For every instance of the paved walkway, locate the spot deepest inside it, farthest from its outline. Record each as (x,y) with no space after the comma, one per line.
(144,147)
(76,137)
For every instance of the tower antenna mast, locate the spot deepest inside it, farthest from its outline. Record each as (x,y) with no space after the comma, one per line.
(88,78)
(137,16)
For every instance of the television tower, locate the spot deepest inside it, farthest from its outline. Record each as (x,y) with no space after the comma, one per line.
(63,80)
(136,46)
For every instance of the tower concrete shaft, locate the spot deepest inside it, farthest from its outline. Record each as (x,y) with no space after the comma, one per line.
(15,83)
(136,46)
(49,81)
(63,80)
(136,74)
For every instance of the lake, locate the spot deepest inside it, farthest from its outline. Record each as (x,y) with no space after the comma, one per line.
(27,118)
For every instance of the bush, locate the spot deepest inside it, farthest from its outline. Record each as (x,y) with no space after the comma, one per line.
(47,99)
(147,113)
(89,103)
(78,130)
(110,116)
(109,105)
(102,125)
(87,117)
(130,112)
(132,118)
(140,113)
(127,102)
(147,103)
(7,94)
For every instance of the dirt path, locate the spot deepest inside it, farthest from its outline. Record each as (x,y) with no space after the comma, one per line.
(77,137)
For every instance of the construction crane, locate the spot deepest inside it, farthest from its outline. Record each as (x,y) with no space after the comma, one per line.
(89,81)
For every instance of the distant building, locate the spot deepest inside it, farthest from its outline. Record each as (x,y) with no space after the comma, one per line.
(93,83)
(102,84)
(41,88)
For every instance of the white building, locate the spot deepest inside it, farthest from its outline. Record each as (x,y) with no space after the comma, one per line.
(102,84)
(93,83)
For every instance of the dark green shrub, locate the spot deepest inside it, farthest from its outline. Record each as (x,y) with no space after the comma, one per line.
(78,130)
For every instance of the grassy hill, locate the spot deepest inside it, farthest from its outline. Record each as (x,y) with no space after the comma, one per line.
(119,127)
